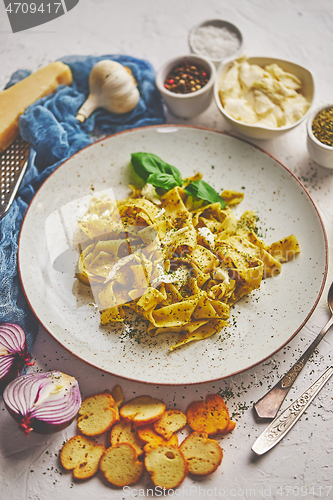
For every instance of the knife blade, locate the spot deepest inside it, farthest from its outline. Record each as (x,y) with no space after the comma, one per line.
(282,424)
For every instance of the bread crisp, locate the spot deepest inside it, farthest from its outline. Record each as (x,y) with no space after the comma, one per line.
(210,416)
(142,410)
(124,432)
(120,465)
(97,414)
(166,465)
(81,455)
(202,455)
(149,436)
(118,397)
(229,428)
(170,422)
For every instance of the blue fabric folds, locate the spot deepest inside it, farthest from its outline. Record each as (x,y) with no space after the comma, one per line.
(54,133)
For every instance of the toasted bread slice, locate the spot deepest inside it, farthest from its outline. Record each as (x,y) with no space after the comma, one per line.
(118,397)
(142,410)
(124,432)
(166,465)
(230,427)
(210,416)
(149,436)
(170,422)
(202,455)
(97,414)
(120,465)
(82,456)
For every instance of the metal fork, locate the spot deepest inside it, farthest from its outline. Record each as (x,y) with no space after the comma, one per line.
(268,406)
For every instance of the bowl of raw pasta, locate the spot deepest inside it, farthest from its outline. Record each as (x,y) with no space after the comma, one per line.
(263,97)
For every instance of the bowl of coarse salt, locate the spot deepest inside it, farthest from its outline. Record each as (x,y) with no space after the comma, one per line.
(216,39)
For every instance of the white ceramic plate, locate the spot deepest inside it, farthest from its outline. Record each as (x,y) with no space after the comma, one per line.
(260,324)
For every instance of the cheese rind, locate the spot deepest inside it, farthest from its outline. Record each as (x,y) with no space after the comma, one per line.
(15,100)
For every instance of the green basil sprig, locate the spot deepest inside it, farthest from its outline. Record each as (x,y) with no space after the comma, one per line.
(200,189)
(150,167)
(153,170)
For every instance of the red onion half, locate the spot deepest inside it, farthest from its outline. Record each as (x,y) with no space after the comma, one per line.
(13,352)
(43,402)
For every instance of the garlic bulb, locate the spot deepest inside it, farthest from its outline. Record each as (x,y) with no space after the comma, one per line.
(112,87)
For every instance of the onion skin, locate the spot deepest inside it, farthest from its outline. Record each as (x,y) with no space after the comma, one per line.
(13,341)
(44,402)
(38,426)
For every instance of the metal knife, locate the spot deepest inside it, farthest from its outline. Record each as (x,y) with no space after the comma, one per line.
(282,424)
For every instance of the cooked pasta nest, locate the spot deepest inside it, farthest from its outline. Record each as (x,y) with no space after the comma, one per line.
(179,267)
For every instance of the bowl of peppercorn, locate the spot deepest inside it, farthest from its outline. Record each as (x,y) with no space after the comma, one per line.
(320,136)
(186,85)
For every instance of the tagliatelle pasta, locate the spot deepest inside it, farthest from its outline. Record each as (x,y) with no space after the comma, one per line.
(177,266)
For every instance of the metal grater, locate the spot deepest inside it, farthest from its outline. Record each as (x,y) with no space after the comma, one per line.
(13,164)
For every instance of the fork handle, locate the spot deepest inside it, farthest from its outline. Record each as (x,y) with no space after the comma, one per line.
(268,406)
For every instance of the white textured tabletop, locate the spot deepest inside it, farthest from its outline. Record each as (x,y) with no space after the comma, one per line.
(301,465)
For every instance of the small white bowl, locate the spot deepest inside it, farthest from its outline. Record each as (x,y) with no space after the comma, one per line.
(209,48)
(194,103)
(319,152)
(261,132)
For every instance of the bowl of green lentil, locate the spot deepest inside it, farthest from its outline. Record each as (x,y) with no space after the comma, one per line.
(320,136)
(186,85)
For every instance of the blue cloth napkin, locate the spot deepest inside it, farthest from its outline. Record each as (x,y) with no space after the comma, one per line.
(54,133)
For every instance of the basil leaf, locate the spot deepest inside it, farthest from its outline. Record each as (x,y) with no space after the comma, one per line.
(204,191)
(153,170)
(169,169)
(164,181)
(145,164)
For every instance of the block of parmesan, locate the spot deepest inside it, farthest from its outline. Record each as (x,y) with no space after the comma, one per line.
(15,100)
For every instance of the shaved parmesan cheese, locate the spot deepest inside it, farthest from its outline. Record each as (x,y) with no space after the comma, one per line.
(149,192)
(207,235)
(161,212)
(88,217)
(122,262)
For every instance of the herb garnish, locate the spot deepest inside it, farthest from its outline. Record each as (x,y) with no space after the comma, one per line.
(149,167)
(153,170)
(200,189)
